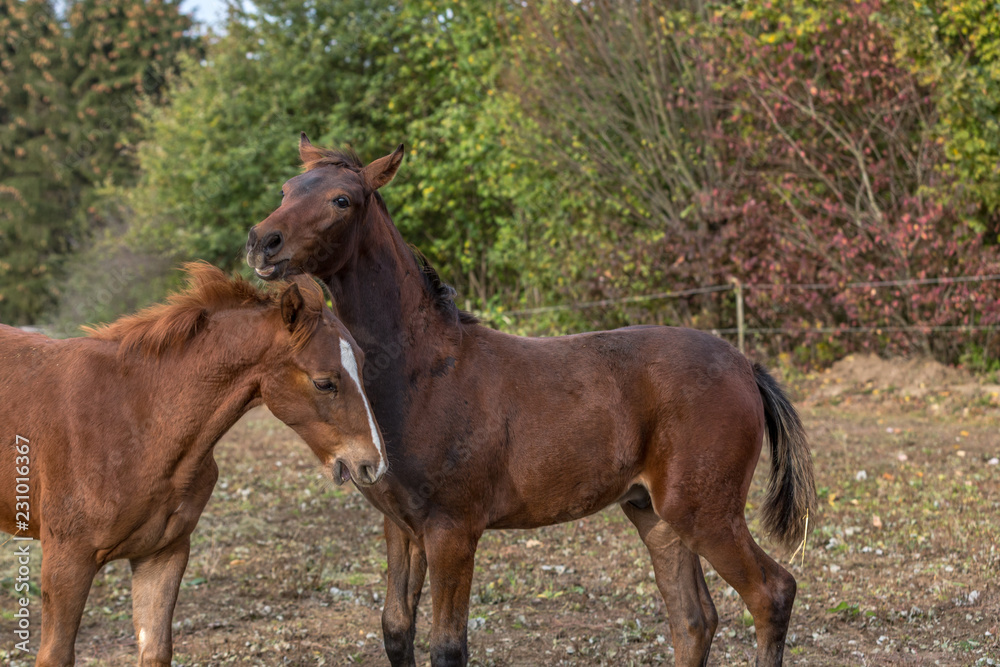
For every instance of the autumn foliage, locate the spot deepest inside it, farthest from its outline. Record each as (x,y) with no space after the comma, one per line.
(816,165)
(847,187)
(825,155)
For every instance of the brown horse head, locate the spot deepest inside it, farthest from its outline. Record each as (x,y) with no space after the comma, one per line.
(318,391)
(296,353)
(321,209)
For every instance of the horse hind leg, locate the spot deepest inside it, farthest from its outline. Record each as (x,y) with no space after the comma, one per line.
(767,589)
(690,612)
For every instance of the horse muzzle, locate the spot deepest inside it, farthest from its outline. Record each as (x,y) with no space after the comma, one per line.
(261,254)
(366,473)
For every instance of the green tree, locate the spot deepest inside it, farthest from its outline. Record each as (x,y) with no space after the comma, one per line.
(438,91)
(214,158)
(367,75)
(955,49)
(121,53)
(35,193)
(68,98)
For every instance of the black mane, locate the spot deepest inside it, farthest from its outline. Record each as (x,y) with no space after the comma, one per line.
(442,293)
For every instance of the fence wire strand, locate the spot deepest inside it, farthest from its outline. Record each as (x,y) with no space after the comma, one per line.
(874,284)
(614,302)
(877,283)
(583,305)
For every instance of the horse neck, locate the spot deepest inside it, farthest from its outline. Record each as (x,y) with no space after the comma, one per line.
(204,389)
(381,297)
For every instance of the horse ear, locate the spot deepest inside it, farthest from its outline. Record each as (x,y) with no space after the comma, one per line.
(381,171)
(307,152)
(292,305)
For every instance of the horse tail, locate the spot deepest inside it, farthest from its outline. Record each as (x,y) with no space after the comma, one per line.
(791,489)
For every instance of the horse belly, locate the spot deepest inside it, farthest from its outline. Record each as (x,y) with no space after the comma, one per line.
(556,507)
(571,493)
(571,466)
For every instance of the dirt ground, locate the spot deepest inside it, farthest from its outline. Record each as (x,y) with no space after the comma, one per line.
(901,566)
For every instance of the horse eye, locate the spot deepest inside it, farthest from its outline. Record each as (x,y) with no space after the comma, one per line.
(342,202)
(325,386)
(282,194)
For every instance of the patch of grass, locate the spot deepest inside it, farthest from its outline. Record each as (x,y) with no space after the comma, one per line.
(275,540)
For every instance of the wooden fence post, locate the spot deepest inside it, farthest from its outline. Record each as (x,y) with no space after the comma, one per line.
(738,288)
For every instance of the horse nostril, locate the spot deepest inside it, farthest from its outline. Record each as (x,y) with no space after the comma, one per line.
(368,473)
(272,243)
(341,473)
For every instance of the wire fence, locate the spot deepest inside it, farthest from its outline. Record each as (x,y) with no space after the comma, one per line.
(641,298)
(740,330)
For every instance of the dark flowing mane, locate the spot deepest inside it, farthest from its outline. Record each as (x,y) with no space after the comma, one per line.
(442,293)
(164,327)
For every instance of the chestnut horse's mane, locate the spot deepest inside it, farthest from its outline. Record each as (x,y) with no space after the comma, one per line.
(164,327)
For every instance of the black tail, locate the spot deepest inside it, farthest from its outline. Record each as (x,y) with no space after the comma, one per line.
(791,490)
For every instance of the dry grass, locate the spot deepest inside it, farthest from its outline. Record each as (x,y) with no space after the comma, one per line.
(900,570)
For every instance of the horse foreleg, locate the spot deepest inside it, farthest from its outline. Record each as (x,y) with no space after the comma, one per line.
(156,580)
(451,554)
(407,567)
(67,576)
(690,612)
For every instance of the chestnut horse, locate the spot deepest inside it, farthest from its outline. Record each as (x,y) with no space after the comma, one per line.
(110,436)
(488,430)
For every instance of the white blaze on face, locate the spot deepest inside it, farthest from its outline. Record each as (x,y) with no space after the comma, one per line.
(350,363)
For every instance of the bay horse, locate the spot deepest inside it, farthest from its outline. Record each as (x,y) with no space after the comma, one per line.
(109,437)
(488,430)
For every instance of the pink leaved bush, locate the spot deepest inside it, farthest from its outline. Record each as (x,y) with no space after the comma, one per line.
(839,182)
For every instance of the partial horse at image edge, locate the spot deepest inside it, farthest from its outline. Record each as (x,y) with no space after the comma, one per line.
(120,428)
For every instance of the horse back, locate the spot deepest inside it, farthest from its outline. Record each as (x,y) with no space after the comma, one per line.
(676,359)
